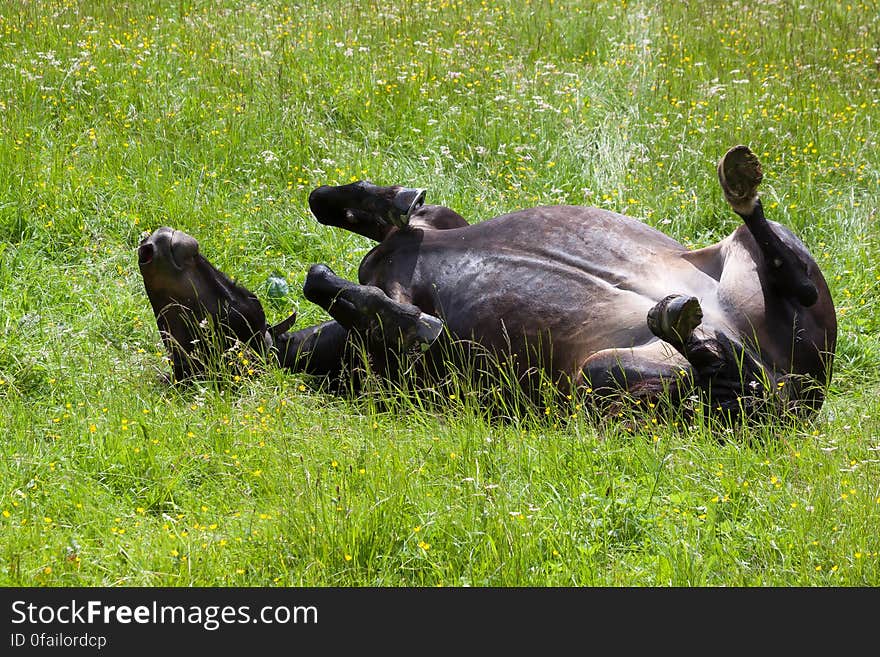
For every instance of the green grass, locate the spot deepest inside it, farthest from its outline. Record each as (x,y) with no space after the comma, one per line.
(218,118)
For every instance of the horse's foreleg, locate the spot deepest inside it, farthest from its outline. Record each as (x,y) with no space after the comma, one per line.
(369,312)
(365,208)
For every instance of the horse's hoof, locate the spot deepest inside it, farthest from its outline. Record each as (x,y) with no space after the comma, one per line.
(739,173)
(428,329)
(674,318)
(406,201)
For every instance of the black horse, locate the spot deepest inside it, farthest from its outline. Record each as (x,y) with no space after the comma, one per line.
(581,296)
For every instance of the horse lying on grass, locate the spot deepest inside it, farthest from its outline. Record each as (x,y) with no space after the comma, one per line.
(582,297)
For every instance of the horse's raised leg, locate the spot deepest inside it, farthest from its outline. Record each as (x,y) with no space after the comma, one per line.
(375,212)
(365,208)
(368,311)
(739,173)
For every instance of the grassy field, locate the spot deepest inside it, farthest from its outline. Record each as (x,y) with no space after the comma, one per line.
(218,117)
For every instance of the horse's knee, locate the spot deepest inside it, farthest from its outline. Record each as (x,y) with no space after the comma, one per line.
(649,370)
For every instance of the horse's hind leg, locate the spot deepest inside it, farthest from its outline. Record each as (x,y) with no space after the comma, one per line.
(739,173)
(365,208)
(368,311)
(720,367)
(654,374)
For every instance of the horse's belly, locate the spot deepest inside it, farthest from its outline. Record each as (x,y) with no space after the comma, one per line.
(556,324)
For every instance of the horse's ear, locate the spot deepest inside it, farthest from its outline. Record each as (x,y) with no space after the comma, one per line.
(283,326)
